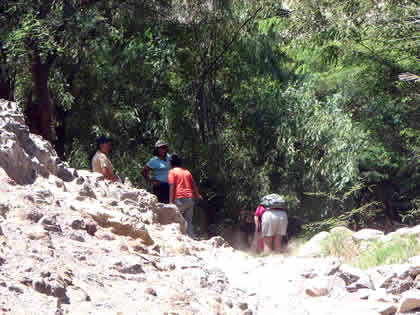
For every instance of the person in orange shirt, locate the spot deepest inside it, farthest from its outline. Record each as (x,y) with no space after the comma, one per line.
(181,190)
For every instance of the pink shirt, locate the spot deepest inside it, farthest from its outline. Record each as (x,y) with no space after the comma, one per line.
(260,211)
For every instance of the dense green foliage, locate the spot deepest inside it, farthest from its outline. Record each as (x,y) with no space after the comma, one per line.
(258,97)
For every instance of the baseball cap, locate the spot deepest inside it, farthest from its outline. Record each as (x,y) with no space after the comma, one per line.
(161,143)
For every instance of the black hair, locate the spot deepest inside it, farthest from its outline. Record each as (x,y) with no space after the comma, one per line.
(175,160)
(102,140)
(99,141)
(156,151)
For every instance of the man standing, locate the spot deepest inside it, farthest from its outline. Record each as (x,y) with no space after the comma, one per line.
(100,161)
(181,190)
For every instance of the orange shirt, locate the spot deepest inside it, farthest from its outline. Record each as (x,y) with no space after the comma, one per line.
(182,181)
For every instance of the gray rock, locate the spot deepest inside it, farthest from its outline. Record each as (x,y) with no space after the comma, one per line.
(16,289)
(48,220)
(398,286)
(4,209)
(23,156)
(323,285)
(130,195)
(130,269)
(91,228)
(87,191)
(387,309)
(64,172)
(313,246)
(50,224)
(76,236)
(78,224)
(410,300)
(380,295)
(58,290)
(367,235)
(218,241)
(169,214)
(243,306)
(32,214)
(150,291)
(77,295)
(355,278)
(342,230)
(414,269)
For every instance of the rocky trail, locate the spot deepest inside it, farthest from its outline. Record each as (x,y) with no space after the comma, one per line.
(73,243)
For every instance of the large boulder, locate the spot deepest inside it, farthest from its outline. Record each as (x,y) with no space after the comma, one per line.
(314,246)
(367,235)
(403,232)
(23,155)
(168,214)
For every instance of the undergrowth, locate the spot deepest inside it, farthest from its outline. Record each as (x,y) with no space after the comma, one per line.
(396,251)
(370,253)
(340,244)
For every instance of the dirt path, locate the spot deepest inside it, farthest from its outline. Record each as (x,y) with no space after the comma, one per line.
(274,285)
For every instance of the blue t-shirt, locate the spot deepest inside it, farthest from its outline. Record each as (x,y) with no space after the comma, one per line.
(160,168)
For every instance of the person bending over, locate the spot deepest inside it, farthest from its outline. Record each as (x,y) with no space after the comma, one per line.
(271,222)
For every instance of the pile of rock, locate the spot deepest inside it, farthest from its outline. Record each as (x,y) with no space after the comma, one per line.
(73,243)
(396,287)
(25,156)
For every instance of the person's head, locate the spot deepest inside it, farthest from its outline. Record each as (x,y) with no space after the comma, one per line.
(175,160)
(103,144)
(161,148)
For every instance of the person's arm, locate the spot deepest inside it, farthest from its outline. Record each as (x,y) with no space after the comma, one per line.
(195,190)
(257,224)
(171,193)
(145,172)
(108,174)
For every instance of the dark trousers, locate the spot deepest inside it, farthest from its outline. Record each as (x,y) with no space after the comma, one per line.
(161,191)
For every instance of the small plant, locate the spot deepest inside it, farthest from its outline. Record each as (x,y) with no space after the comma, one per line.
(340,244)
(396,251)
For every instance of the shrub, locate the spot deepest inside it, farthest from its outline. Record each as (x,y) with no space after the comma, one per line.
(398,250)
(340,244)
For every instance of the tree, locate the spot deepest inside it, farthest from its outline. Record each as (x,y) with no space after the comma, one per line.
(42,35)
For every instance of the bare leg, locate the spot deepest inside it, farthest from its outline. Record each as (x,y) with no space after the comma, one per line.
(277,242)
(254,245)
(268,244)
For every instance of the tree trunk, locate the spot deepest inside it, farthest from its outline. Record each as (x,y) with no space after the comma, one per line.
(40,115)
(60,132)
(6,90)
(6,80)
(199,104)
(384,194)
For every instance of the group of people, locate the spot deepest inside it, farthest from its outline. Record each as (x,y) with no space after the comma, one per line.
(170,181)
(174,184)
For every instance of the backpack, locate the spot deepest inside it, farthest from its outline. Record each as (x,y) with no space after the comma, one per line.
(273,201)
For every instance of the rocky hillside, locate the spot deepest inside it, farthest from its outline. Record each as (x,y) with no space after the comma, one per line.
(72,243)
